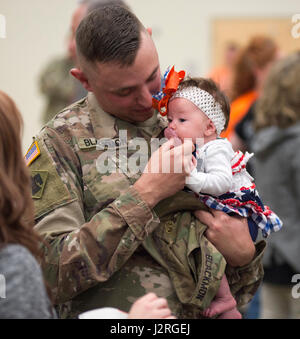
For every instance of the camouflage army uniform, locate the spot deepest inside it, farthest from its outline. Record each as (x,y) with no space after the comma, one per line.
(104,248)
(59,87)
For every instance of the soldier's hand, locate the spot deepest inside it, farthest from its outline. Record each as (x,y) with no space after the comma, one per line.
(229,234)
(150,307)
(165,172)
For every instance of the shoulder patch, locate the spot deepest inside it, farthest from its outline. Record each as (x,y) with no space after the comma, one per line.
(48,189)
(32,153)
(38,181)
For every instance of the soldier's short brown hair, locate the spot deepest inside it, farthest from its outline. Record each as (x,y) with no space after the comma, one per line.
(94,4)
(212,88)
(109,34)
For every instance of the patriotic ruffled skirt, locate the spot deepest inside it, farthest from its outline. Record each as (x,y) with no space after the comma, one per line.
(248,204)
(245,202)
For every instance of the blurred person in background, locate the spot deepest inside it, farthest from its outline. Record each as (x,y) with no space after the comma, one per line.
(56,83)
(223,75)
(277,166)
(58,86)
(251,68)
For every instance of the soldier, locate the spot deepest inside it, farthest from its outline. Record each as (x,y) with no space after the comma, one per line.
(97,224)
(56,84)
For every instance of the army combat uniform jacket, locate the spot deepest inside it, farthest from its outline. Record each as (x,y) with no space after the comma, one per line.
(104,241)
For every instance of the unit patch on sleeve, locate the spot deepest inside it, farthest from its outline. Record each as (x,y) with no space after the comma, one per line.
(38,182)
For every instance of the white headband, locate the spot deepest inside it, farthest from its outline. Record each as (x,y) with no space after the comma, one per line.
(206,103)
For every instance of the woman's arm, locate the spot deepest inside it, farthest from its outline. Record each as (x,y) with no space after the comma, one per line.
(26,296)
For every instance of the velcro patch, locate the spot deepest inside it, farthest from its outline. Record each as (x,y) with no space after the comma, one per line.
(32,153)
(38,182)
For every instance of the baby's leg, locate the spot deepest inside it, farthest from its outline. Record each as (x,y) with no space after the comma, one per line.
(223,302)
(232,314)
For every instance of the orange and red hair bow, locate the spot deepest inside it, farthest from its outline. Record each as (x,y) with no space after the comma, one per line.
(171,84)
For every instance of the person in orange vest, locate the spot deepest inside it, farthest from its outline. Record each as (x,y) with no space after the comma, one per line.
(250,71)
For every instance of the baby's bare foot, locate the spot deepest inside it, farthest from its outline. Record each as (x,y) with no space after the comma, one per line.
(220,305)
(232,314)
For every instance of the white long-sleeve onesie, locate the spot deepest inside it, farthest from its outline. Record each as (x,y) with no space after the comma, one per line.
(220,170)
(213,173)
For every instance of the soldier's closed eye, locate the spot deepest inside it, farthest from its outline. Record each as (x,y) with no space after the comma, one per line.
(124,92)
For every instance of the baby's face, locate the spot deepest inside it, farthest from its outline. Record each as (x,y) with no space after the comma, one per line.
(186,120)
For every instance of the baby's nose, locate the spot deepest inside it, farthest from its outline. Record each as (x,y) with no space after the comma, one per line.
(172,124)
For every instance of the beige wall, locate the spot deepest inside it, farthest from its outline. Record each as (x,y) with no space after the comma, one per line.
(241,30)
(35,32)
(182,30)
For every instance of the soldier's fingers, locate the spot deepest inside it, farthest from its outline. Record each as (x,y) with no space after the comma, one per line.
(177,141)
(185,149)
(204,216)
(217,214)
(194,162)
(188,146)
(168,145)
(188,164)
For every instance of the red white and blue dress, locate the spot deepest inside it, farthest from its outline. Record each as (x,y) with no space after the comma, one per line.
(222,182)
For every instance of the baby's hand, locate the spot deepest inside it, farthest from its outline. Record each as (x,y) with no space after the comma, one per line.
(150,307)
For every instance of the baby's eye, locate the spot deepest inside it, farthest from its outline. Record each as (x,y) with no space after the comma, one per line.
(182,120)
(169,120)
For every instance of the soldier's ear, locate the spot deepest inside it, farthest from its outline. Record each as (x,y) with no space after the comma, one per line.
(79,75)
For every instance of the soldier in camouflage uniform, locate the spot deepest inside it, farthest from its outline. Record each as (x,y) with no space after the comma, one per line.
(59,87)
(56,83)
(99,225)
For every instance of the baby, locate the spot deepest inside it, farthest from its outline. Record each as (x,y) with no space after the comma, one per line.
(198,110)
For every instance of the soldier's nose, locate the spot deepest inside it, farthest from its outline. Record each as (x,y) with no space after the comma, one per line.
(145,97)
